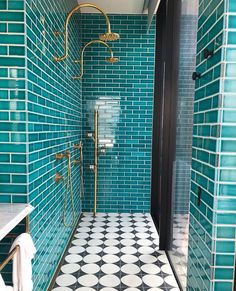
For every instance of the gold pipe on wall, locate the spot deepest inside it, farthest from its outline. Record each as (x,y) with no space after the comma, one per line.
(111,59)
(95,159)
(107,36)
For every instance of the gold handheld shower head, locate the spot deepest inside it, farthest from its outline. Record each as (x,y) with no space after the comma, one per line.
(111,59)
(109,36)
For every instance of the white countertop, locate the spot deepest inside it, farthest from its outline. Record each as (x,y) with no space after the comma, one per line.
(11,215)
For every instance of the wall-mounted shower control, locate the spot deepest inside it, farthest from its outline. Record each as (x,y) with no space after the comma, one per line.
(60,156)
(76,162)
(196,76)
(208,54)
(199,196)
(58,178)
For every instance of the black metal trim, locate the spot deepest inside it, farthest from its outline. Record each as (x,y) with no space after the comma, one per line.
(164,118)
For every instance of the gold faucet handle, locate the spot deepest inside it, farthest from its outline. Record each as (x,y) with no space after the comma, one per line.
(58,178)
(59,156)
(78,146)
(76,162)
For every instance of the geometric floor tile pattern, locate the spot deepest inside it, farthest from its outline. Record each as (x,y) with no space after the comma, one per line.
(115,252)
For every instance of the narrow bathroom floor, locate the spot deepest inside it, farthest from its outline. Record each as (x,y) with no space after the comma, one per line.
(114,252)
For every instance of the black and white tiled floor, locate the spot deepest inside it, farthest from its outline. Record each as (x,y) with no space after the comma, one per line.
(115,252)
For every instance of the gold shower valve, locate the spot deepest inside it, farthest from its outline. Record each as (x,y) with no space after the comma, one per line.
(58,178)
(57,33)
(76,162)
(78,146)
(60,156)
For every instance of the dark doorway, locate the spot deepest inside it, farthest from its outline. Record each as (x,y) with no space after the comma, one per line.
(164,118)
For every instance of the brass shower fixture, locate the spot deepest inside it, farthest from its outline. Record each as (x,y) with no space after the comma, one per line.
(110,59)
(107,36)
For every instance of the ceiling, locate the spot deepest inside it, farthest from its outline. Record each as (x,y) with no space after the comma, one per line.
(116,6)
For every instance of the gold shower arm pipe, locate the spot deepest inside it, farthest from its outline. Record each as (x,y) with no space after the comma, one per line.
(81,60)
(74,10)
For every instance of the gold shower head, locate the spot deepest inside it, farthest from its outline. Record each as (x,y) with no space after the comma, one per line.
(112,60)
(109,36)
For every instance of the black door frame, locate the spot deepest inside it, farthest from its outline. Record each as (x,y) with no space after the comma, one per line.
(164,118)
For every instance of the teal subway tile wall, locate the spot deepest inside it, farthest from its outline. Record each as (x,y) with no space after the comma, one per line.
(13,173)
(212,224)
(54,125)
(13,127)
(123,94)
(41,115)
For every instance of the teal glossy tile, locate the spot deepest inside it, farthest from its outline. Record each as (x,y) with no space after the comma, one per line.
(228,131)
(231,37)
(16,51)
(12,84)
(226,286)
(4,73)
(230,70)
(228,145)
(4,178)
(4,137)
(229,116)
(231,54)
(3,4)
(11,39)
(12,62)
(19,199)
(229,101)
(226,232)
(5,198)
(4,158)
(232,6)
(20,158)
(228,161)
(13,189)
(225,247)
(230,86)
(3,27)
(20,179)
(226,218)
(19,28)
(228,175)
(223,274)
(232,21)
(18,137)
(227,190)
(3,50)
(15,5)
(225,260)
(11,16)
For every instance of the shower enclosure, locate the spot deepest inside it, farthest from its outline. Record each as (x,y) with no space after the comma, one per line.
(173,128)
